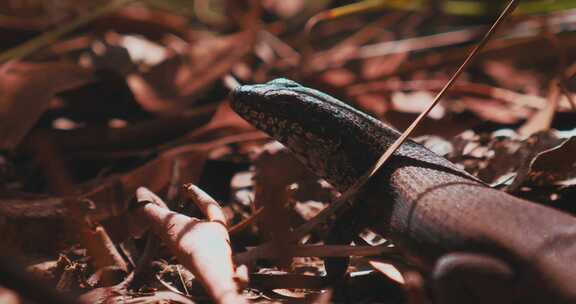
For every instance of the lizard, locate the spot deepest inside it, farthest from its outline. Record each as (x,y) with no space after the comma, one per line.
(475,244)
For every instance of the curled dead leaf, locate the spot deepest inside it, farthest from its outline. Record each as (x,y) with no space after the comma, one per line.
(201,246)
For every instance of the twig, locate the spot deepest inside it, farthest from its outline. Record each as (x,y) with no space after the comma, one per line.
(268,251)
(461,87)
(273,281)
(346,10)
(418,43)
(182,280)
(280,47)
(542,120)
(246,222)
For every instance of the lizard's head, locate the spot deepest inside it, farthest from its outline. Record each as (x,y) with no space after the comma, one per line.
(328,136)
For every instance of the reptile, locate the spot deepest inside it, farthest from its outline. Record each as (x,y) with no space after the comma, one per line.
(475,244)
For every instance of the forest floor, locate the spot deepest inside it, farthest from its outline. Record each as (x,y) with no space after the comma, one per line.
(106,106)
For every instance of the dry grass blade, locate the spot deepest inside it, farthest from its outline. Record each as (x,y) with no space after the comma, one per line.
(509,8)
(338,205)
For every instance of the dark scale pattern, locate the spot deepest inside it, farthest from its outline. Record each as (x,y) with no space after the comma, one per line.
(428,205)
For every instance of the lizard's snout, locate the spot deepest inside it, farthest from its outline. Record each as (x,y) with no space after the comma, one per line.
(258,92)
(243,97)
(242,92)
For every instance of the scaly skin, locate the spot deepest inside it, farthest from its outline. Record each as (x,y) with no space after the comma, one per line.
(428,206)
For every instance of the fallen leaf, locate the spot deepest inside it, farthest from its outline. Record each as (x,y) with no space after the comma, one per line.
(8,296)
(373,68)
(416,102)
(508,76)
(26,89)
(201,246)
(373,103)
(542,120)
(388,270)
(555,166)
(338,77)
(495,111)
(176,83)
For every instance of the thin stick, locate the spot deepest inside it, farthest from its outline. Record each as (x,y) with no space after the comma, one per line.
(416,122)
(182,280)
(335,207)
(269,251)
(245,222)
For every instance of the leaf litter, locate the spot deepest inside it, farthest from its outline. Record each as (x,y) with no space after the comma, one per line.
(103,127)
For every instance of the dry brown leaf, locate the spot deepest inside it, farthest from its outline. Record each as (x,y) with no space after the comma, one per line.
(556,166)
(133,137)
(110,196)
(511,77)
(373,103)
(159,89)
(206,204)
(152,23)
(416,102)
(176,83)
(373,68)
(201,246)
(271,182)
(494,111)
(223,123)
(25,91)
(324,297)
(388,270)
(542,120)
(414,288)
(338,77)
(8,296)
(284,9)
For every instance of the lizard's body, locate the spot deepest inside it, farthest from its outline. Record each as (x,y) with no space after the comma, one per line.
(474,239)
